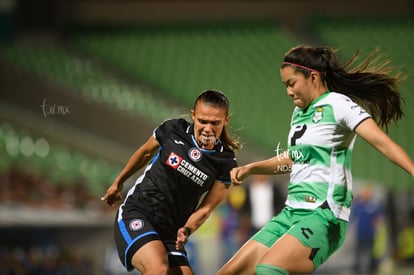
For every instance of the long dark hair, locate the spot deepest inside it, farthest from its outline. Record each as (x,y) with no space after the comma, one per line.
(219,100)
(369,83)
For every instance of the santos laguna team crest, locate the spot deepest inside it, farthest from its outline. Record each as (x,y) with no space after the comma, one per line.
(186,168)
(318,115)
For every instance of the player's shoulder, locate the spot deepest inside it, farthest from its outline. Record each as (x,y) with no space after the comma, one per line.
(339,96)
(335,98)
(344,106)
(175,122)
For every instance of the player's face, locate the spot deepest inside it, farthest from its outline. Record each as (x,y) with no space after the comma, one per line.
(298,87)
(209,122)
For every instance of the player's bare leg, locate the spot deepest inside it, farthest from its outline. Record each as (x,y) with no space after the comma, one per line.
(245,260)
(151,259)
(290,254)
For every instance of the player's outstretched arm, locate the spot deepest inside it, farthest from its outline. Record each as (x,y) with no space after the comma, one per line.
(140,158)
(371,133)
(214,197)
(279,164)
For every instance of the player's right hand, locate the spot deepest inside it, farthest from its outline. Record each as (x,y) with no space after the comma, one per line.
(237,175)
(112,195)
(182,238)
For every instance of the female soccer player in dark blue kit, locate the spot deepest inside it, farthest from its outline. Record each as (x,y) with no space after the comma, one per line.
(188,160)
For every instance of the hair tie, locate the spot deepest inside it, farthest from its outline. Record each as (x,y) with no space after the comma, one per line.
(302,67)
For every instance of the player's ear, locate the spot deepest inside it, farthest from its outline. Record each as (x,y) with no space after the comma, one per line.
(315,76)
(192,114)
(227,120)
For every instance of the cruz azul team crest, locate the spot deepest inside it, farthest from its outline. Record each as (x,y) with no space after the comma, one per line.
(136,224)
(195,154)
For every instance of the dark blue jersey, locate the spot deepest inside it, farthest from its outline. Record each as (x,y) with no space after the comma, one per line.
(177,177)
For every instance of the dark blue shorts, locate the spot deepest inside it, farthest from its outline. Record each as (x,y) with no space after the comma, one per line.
(133,232)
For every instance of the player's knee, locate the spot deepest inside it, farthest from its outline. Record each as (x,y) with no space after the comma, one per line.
(228,269)
(159,270)
(163,269)
(224,271)
(267,269)
(151,268)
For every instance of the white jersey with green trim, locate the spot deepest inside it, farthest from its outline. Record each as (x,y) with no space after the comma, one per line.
(320,145)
